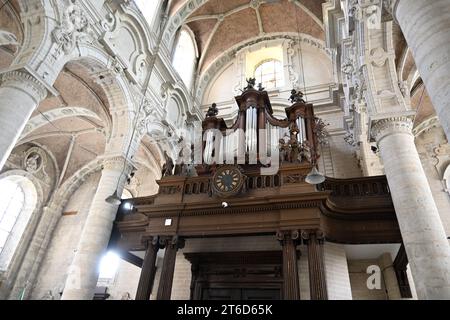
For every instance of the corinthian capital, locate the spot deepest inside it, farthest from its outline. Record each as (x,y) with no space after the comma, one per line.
(25,82)
(385,127)
(118,163)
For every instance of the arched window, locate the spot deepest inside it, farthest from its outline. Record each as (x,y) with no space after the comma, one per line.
(17,202)
(148,9)
(185,57)
(270,74)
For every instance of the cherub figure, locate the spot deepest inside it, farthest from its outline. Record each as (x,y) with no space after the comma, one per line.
(284,150)
(296,96)
(251,83)
(213,111)
(306,151)
(167,169)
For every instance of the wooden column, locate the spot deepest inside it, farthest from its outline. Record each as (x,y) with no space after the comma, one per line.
(172,244)
(317,283)
(148,270)
(400,265)
(291,287)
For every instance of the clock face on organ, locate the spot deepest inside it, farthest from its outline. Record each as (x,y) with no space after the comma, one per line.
(227,180)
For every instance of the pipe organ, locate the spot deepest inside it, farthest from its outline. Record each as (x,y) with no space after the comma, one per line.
(281,203)
(257,136)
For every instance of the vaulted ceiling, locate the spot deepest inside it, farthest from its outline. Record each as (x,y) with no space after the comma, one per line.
(219,25)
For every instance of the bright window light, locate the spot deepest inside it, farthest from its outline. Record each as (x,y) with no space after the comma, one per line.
(12,199)
(148,9)
(270,74)
(184,58)
(109,265)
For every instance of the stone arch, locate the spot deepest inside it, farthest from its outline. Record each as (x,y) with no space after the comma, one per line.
(11,34)
(54,115)
(215,68)
(30,183)
(109,74)
(38,20)
(48,221)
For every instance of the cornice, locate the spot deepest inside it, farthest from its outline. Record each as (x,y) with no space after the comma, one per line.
(25,82)
(393,125)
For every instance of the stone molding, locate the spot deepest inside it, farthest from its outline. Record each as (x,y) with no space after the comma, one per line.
(25,82)
(426,125)
(118,163)
(385,127)
(74,27)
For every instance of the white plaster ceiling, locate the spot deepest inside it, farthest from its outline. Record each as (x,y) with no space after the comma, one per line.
(370,251)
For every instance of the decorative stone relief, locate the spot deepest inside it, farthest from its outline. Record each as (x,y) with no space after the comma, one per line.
(118,163)
(378,57)
(75,27)
(7,38)
(109,23)
(33,162)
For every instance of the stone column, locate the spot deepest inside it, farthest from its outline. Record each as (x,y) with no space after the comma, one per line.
(291,286)
(148,270)
(20,94)
(172,244)
(83,272)
(317,283)
(423,235)
(427,32)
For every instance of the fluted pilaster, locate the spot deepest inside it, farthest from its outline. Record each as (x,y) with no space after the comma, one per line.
(317,283)
(172,244)
(148,270)
(291,286)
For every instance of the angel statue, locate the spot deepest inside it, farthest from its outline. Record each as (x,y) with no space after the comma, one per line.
(296,96)
(251,83)
(167,169)
(213,111)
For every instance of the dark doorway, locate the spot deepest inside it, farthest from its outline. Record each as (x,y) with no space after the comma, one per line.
(236,275)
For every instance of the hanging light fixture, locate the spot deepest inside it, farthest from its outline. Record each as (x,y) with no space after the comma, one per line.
(114,199)
(315,177)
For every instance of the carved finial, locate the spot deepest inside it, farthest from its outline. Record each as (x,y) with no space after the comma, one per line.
(296,96)
(250,84)
(212,111)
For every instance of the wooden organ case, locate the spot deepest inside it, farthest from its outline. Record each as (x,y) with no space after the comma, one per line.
(251,181)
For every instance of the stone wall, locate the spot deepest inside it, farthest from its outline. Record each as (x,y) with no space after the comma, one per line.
(125,281)
(336,272)
(54,268)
